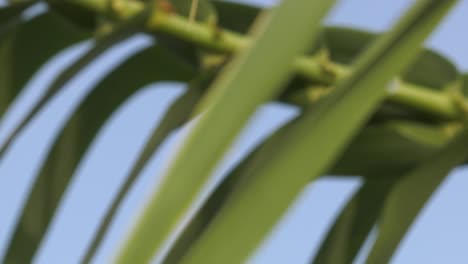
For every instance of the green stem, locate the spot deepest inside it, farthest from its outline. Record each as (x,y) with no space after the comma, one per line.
(201,34)
(438,103)
(420,98)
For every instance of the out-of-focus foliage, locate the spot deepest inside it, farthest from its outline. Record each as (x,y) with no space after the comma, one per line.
(376,106)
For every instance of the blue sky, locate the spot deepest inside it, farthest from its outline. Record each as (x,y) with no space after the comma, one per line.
(439,235)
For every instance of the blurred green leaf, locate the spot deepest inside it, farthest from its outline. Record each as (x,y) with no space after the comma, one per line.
(151,65)
(392,147)
(209,208)
(351,228)
(432,70)
(313,143)
(27,46)
(234,16)
(370,152)
(83,17)
(346,44)
(186,51)
(429,70)
(178,114)
(263,66)
(465,84)
(100,46)
(410,194)
(12,10)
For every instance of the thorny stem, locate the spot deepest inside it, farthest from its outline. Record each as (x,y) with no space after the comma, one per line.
(438,103)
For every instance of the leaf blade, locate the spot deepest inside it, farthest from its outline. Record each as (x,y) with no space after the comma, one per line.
(208,210)
(312,136)
(178,114)
(230,91)
(50,34)
(410,194)
(10,11)
(75,138)
(352,226)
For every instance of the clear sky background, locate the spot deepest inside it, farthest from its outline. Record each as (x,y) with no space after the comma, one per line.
(439,235)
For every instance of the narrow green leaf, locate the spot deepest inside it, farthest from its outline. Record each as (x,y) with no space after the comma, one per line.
(27,46)
(101,45)
(409,195)
(263,66)
(10,11)
(151,65)
(432,70)
(374,149)
(346,44)
(465,84)
(206,213)
(314,142)
(372,152)
(353,225)
(6,45)
(368,153)
(234,16)
(81,16)
(429,69)
(177,115)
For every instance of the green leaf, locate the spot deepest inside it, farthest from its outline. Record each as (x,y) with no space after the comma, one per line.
(151,65)
(178,114)
(429,70)
(313,143)
(101,45)
(208,210)
(465,84)
(392,147)
(368,153)
(263,66)
(10,11)
(356,220)
(409,195)
(234,16)
(432,70)
(371,154)
(372,151)
(346,44)
(27,46)
(76,13)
